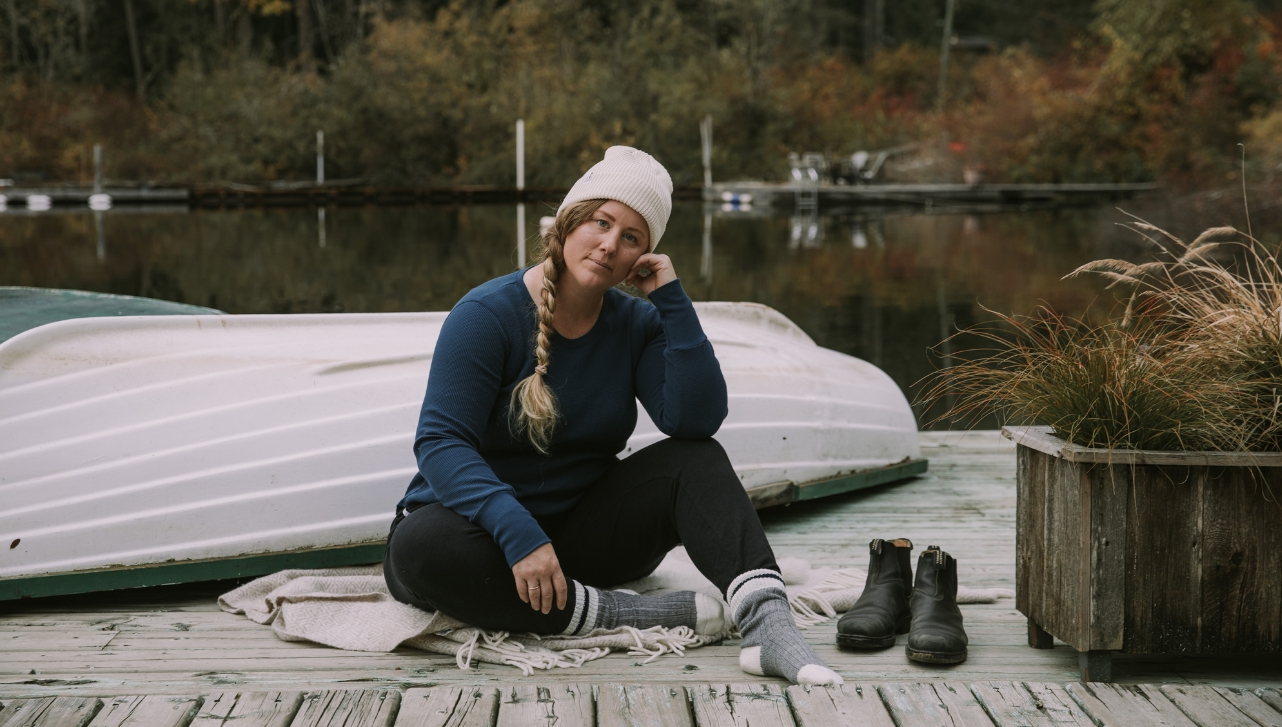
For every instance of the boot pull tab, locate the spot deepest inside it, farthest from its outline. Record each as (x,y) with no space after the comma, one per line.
(875,545)
(940,556)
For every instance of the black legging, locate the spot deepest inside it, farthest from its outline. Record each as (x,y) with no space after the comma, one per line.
(671,493)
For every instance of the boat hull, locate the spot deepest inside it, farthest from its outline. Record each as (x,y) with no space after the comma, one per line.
(165,441)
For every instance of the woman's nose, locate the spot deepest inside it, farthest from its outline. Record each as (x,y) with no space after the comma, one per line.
(609,242)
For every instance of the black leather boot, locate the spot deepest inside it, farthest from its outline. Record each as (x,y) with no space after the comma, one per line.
(936,636)
(882,609)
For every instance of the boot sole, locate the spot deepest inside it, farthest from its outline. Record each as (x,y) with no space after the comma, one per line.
(937,657)
(855,641)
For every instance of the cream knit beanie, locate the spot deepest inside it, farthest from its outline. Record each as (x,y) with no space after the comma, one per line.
(632,177)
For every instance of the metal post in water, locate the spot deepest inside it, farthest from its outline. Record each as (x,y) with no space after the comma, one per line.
(705,262)
(520,234)
(520,186)
(97,168)
(705,135)
(102,240)
(320,225)
(320,159)
(520,154)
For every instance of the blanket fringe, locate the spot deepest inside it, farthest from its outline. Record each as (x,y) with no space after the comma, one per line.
(666,641)
(815,605)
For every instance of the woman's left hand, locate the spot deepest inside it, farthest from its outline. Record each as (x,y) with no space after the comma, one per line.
(660,268)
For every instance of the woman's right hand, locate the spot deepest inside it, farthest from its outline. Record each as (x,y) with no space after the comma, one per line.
(539,579)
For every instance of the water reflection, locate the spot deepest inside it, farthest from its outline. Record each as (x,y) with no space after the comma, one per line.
(881,285)
(101,234)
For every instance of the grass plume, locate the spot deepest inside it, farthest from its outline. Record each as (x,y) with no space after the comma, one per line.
(1194,361)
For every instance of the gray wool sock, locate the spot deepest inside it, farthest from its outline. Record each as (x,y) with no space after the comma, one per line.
(772,644)
(599,609)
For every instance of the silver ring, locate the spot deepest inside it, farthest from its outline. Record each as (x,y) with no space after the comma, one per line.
(533,588)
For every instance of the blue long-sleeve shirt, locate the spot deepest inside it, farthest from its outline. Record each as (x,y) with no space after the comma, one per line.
(471,461)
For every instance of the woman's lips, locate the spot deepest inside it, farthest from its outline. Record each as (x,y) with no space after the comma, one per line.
(603,266)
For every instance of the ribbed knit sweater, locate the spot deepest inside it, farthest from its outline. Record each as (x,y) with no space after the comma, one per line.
(469,458)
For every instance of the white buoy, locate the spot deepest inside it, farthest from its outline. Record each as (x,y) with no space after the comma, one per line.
(99,202)
(39,202)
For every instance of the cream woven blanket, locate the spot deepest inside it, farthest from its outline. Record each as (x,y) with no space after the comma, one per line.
(350,608)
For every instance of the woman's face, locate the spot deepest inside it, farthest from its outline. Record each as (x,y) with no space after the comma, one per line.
(600,253)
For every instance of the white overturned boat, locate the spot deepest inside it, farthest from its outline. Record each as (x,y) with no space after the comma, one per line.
(162,449)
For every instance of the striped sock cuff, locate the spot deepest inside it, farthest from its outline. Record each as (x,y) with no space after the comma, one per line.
(571,629)
(587,601)
(749,583)
(591,611)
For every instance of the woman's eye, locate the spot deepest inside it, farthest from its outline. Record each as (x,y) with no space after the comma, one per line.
(630,237)
(602,224)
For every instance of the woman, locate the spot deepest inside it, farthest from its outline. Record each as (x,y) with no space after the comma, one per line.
(521,513)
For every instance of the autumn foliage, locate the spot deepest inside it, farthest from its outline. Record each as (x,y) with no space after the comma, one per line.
(1149,90)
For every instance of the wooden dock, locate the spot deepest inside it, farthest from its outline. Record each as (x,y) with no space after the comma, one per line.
(79,196)
(964,196)
(307,194)
(757,195)
(944,704)
(168,657)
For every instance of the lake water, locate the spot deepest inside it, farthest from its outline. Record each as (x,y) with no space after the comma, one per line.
(885,286)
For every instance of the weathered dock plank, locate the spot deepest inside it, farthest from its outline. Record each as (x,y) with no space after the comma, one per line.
(1252,706)
(50,712)
(1058,705)
(1272,697)
(248,709)
(848,705)
(343,708)
(156,710)
(959,699)
(1205,706)
(740,705)
(1113,705)
(449,707)
(919,705)
(563,705)
(14,641)
(1012,705)
(638,705)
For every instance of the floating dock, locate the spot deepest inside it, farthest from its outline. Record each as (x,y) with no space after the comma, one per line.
(14,196)
(742,196)
(292,195)
(771,194)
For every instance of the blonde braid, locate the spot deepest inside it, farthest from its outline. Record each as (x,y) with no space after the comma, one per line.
(533,408)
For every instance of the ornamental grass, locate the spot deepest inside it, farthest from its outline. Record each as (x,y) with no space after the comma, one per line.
(1193,362)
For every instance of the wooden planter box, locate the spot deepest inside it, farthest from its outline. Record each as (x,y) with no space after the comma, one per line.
(1147,552)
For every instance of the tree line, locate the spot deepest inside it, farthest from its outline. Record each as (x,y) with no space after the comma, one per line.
(426,91)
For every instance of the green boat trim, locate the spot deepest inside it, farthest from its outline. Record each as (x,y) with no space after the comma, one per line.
(187,571)
(22,309)
(782,493)
(216,569)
